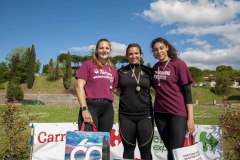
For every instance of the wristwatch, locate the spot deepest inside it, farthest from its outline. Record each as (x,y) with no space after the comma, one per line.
(84,108)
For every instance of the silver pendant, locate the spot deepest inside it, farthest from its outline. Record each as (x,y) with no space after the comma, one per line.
(110,87)
(138,88)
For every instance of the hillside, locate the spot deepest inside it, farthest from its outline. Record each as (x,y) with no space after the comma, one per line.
(42,86)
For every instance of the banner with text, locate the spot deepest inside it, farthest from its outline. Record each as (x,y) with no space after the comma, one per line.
(49,142)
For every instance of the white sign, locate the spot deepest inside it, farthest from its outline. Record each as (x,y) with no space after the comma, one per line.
(49,142)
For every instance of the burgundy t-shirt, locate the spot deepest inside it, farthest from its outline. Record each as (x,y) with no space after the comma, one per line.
(168,81)
(98,81)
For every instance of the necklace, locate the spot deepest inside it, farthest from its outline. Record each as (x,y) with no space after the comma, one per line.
(159,71)
(138,88)
(110,79)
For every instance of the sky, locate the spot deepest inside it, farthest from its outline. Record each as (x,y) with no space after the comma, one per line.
(206,33)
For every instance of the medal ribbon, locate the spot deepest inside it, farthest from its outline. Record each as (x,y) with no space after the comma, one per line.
(133,74)
(163,70)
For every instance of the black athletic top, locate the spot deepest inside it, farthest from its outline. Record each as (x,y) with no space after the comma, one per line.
(133,102)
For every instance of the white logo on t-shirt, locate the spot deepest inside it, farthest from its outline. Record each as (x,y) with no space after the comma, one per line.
(161,75)
(101,73)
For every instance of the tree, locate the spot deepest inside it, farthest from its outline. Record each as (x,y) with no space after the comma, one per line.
(222,85)
(236,73)
(224,71)
(50,71)
(14,91)
(62,57)
(84,58)
(31,67)
(68,73)
(45,69)
(149,65)
(24,59)
(22,64)
(222,68)
(207,72)
(37,66)
(4,74)
(54,72)
(196,73)
(119,60)
(77,60)
(57,70)
(24,56)
(223,81)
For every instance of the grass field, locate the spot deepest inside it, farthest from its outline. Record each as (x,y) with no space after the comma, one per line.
(203,114)
(207,115)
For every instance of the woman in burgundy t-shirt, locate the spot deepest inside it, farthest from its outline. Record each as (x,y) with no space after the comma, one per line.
(173,109)
(95,82)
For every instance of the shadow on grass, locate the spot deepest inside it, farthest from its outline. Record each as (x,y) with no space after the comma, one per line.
(234,98)
(32,102)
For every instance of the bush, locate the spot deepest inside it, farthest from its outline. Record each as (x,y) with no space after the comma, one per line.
(222,86)
(229,121)
(15,135)
(14,92)
(2,86)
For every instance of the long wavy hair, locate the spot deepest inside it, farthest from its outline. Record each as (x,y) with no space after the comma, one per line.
(172,52)
(95,55)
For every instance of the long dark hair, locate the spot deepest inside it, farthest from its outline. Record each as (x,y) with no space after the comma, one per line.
(172,52)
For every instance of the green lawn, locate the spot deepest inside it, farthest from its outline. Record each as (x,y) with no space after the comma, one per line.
(208,115)
(203,95)
(203,114)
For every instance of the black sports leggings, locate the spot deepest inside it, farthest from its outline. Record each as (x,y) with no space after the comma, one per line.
(102,114)
(172,130)
(138,128)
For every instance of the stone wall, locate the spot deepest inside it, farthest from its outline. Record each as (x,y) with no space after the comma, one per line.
(46,99)
(2,98)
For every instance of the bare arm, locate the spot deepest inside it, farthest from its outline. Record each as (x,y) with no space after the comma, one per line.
(80,83)
(117,91)
(190,120)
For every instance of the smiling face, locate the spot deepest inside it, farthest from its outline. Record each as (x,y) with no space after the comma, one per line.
(134,55)
(103,51)
(160,51)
